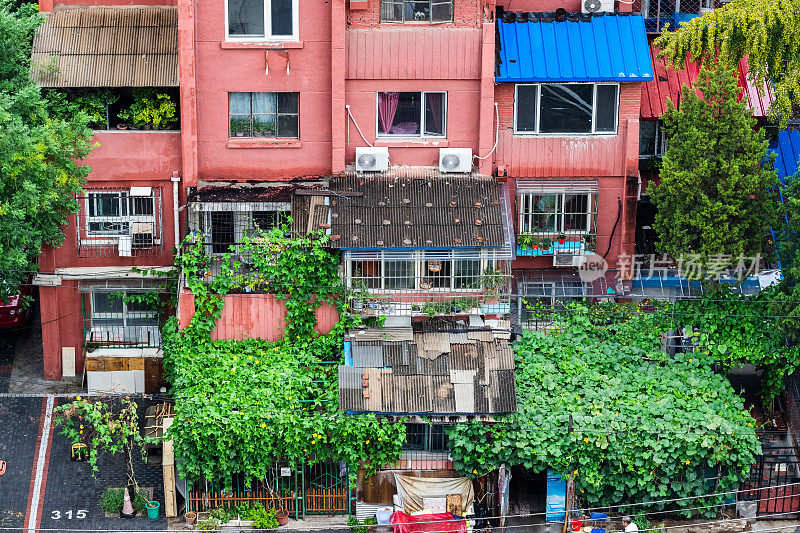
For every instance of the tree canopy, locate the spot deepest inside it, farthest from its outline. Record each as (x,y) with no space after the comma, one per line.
(767,32)
(716,196)
(40,172)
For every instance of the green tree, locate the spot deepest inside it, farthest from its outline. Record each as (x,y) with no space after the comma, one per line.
(787,306)
(39,170)
(767,32)
(715,195)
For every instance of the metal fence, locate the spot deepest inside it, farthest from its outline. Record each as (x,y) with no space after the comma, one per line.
(321,488)
(114,318)
(120,222)
(659,13)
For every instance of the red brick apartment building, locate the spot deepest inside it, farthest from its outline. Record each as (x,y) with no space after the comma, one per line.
(505,119)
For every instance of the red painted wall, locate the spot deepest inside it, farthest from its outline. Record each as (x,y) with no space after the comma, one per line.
(47,5)
(256,316)
(232,67)
(122,159)
(577,155)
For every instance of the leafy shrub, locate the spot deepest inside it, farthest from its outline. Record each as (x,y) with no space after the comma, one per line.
(361,527)
(112,499)
(263,518)
(151,108)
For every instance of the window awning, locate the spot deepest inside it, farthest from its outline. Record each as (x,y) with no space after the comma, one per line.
(603,47)
(556,186)
(787,153)
(123,46)
(667,83)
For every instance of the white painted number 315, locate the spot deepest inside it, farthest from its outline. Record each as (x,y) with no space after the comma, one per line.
(56,515)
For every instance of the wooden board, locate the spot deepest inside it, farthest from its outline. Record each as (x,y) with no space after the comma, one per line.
(153,375)
(454,504)
(95,364)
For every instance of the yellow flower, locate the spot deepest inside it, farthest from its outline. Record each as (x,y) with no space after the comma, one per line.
(234,358)
(474,471)
(367,441)
(687,461)
(263,425)
(81,432)
(81,426)
(249,357)
(78,398)
(313,442)
(586,440)
(256,361)
(380,438)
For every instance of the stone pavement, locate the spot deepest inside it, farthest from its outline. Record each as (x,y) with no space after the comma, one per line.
(68,494)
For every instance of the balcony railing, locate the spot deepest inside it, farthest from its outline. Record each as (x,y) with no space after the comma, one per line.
(115,318)
(660,13)
(120,222)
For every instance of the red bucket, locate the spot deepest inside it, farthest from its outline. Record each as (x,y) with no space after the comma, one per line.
(576,525)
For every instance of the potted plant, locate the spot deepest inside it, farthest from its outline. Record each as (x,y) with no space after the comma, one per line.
(359,294)
(240,127)
(282,515)
(152,510)
(190,517)
(561,238)
(524,240)
(536,240)
(547,243)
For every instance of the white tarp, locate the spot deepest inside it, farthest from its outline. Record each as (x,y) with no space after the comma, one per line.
(413,489)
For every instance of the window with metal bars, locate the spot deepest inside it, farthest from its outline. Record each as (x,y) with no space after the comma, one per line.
(416,10)
(555,213)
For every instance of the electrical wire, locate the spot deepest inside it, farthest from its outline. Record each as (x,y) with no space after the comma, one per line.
(356,125)
(496,135)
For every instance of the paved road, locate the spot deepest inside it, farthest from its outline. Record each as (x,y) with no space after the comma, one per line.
(42,486)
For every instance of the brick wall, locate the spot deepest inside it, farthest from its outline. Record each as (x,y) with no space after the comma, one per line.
(467,13)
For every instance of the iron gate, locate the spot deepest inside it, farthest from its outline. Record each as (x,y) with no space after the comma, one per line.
(767,484)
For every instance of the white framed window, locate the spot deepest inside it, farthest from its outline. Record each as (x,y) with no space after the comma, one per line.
(555,213)
(422,271)
(262,20)
(652,139)
(566,108)
(117,213)
(416,11)
(115,321)
(411,114)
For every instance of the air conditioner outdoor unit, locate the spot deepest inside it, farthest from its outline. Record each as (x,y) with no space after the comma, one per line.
(124,245)
(572,258)
(455,160)
(372,159)
(143,235)
(597,6)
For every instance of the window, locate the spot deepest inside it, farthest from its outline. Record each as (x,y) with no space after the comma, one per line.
(540,299)
(426,437)
(567,108)
(461,270)
(264,115)
(416,10)
(412,114)
(112,212)
(262,19)
(116,321)
(652,139)
(268,220)
(553,213)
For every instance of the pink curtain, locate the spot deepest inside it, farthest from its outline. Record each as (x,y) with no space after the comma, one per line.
(387,107)
(435,102)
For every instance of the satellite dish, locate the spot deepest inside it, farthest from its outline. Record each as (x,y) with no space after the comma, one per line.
(450,162)
(592,6)
(367,161)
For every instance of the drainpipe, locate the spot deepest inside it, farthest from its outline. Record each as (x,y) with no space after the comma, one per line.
(176,179)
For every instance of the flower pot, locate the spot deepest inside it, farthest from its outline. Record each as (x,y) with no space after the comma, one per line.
(358,305)
(152,510)
(122,126)
(190,517)
(534,247)
(283,517)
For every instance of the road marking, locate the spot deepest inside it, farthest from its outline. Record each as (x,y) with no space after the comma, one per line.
(44,446)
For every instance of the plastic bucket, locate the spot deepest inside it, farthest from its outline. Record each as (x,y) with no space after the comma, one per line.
(576,525)
(383,515)
(152,512)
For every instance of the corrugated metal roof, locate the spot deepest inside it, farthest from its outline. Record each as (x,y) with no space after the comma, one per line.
(602,47)
(413,211)
(667,83)
(787,153)
(462,379)
(134,46)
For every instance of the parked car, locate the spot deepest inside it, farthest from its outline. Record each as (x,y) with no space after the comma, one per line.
(17,311)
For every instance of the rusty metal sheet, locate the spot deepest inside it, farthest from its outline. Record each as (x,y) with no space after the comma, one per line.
(103,46)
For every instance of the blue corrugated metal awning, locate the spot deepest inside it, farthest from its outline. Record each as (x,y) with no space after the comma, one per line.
(787,153)
(603,47)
